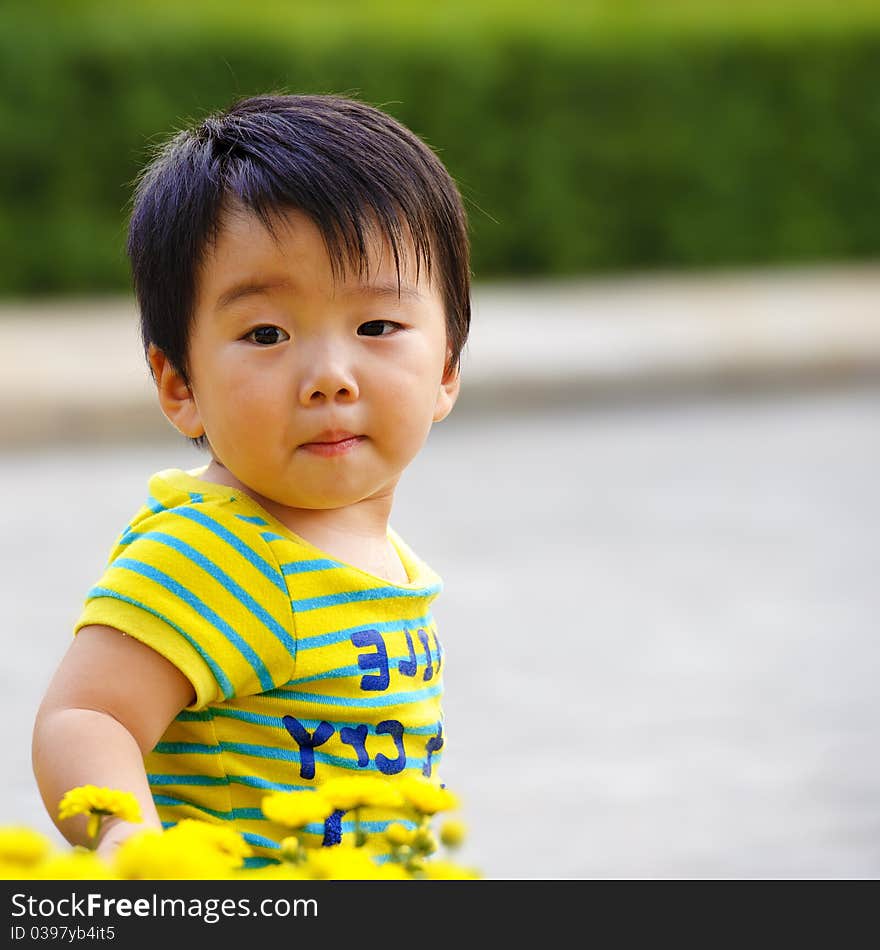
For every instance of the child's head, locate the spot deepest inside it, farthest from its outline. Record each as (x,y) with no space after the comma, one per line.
(348,166)
(272,248)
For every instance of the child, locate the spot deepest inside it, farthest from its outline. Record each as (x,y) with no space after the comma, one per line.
(302,272)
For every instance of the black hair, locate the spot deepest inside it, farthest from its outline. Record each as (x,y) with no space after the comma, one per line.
(348,165)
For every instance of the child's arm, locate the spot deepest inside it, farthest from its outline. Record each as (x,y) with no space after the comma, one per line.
(108,704)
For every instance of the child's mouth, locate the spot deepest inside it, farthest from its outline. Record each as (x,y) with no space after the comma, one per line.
(329,448)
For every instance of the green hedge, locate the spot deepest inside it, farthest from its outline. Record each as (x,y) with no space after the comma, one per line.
(581,143)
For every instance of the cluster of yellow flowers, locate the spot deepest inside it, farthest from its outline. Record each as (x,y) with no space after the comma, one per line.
(194,849)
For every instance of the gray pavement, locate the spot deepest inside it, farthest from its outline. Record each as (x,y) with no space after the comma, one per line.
(73,369)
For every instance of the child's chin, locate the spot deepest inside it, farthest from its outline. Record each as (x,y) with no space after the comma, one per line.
(320,501)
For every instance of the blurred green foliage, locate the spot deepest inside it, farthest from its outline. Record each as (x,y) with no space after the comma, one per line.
(584,137)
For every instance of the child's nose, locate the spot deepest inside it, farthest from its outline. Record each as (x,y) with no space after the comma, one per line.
(328,378)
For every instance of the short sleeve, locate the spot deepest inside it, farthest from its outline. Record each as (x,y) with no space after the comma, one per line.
(199,585)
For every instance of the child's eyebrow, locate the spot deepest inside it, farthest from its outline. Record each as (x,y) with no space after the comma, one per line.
(389,289)
(252,288)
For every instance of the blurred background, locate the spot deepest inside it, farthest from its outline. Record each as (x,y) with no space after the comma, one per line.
(655,505)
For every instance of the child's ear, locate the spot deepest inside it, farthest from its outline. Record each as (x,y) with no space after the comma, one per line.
(175,396)
(448,392)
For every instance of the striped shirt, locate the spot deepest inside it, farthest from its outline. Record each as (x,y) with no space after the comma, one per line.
(304,668)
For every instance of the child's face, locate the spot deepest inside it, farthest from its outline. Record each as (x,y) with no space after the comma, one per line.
(281,358)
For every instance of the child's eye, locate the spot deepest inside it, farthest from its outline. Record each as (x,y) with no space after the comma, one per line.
(374,327)
(267,336)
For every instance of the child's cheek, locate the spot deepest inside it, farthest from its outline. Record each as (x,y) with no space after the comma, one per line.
(252,393)
(407,417)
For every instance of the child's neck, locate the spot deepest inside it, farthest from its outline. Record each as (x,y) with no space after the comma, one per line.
(356,534)
(348,536)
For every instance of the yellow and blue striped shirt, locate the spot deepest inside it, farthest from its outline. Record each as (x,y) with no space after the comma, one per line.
(304,668)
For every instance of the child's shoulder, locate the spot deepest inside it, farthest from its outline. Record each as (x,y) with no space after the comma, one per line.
(180,505)
(174,490)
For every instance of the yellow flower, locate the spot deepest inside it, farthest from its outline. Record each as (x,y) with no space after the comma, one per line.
(149,856)
(272,872)
(363,790)
(190,850)
(97,802)
(341,863)
(22,846)
(79,864)
(226,841)
(291,850)
(426,797)
(10,871)
(392,871)
(424,841)
(398,834)
(296,809)
(453,832)
(448,871)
